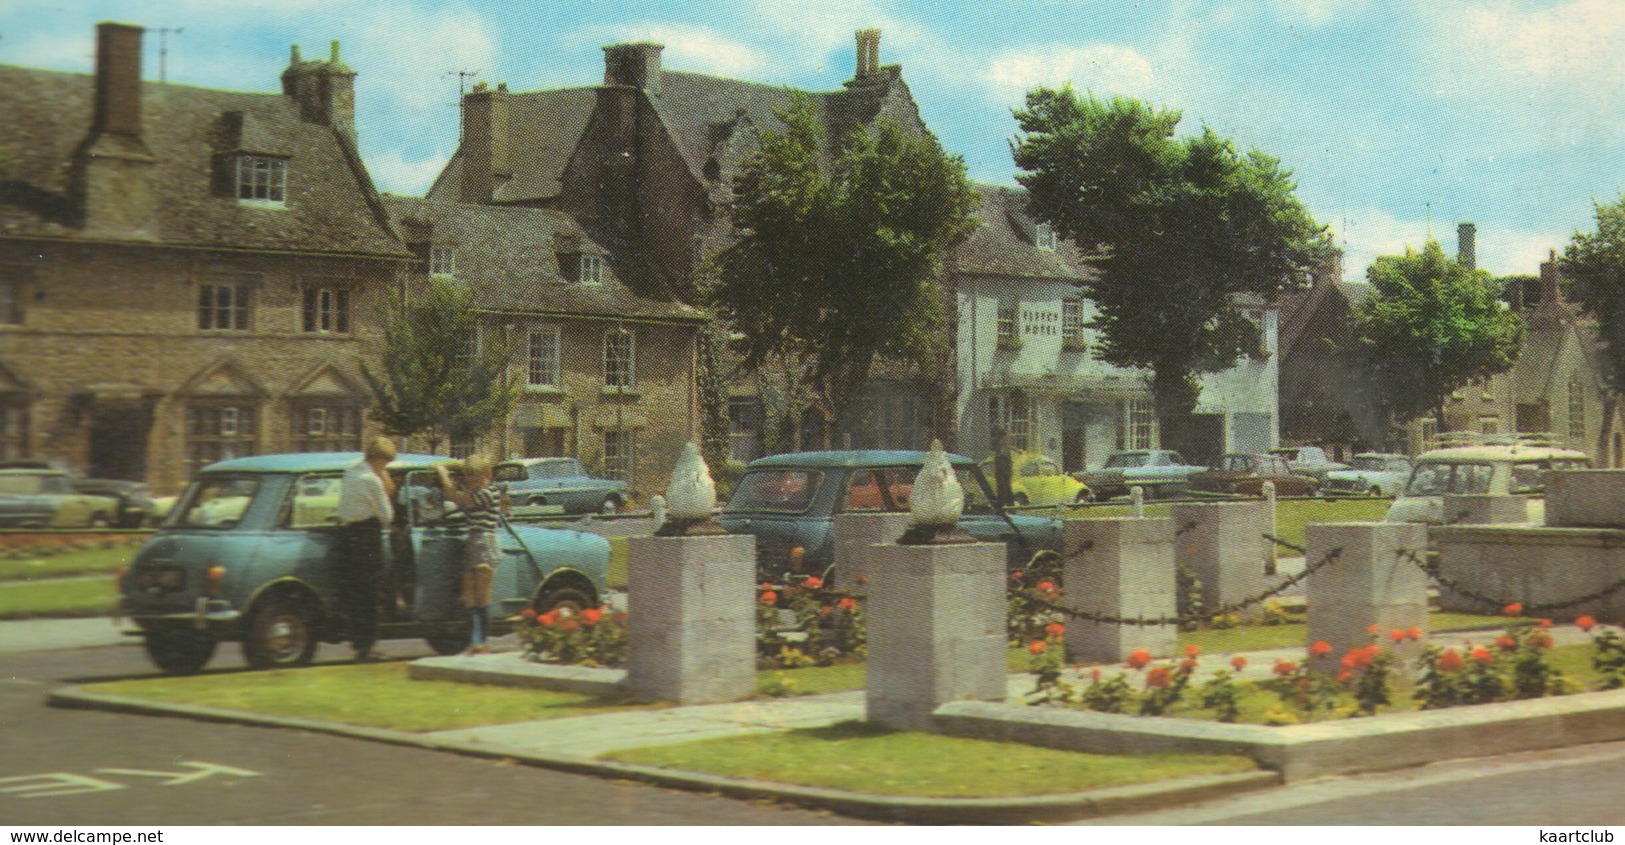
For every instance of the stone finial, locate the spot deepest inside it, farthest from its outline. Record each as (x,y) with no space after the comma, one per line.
(691,497)
(935,503)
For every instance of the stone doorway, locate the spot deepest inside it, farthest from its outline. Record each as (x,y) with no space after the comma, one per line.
(118,439)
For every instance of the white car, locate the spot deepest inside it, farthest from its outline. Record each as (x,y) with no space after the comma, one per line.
(1494,466)
(1370,474)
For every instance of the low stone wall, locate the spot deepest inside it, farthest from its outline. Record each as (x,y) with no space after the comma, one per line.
(1534,565)
(1300,752)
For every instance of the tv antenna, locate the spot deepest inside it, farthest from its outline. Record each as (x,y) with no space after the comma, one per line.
(163,50)
(462,81)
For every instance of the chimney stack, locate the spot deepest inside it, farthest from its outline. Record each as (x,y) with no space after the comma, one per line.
(637,65)
(485,143)
(325,91)
(118,80)
(1550,290)
(1467,245)
(868,63)
(111,167)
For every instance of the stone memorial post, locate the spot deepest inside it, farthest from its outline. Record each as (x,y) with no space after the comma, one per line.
(1122,567)
(855,535)
(1372,581)
(1223,545)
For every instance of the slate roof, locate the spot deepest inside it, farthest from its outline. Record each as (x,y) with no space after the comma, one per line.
(510,256)
(1003,242)
(331,205)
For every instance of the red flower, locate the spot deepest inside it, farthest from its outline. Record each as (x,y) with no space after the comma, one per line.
(592,615)
(848,603)
(1372,629)
(1239,662)
(1321,648)
(1055,629)
(1481,654)
(1350,660)
(1345,675)
(769,598)
(1094,674)
(1545,624)
(1188,665)
(1542,640)
(1046,586)
(1505,643)
(1037,647)
(1138,658)
(825,611)
(1585,623)
(569,625)
(548,619)
(1192,650)
(813,582)
(1413,634)
(1450,661)
(1285,667)
(1015,575)
(1397,635)
(1158,677)
(528,613)
(1513,609)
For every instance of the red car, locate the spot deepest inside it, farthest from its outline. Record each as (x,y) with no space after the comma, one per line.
(1244,475)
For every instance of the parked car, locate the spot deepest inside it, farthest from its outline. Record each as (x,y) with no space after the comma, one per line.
(1370,474)
(135,503)
(789,503)
(1244,475)
(560,482)
(45,498)
(1037,480)
(1159,472)
(245,556)
(1308,460)
(1481,464)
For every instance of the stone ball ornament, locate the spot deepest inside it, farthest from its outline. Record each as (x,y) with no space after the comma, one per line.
(935,503)
(691,498)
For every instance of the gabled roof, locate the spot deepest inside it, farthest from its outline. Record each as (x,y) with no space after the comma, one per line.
(47,115)
(1003,242)
(510,256)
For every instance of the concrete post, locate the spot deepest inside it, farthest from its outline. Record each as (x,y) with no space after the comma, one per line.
(1223,545)
(1122,566)
(1372,582)
(691,618)
(855,533)
(1479,509)
(1586,497)
(936,630)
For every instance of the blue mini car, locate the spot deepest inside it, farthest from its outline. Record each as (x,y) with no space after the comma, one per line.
(245,556)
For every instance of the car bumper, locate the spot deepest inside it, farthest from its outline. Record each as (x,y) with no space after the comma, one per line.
(212,615)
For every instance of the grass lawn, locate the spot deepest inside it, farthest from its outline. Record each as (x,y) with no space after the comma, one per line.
(1288,635)
(75,597)
(841,677)
(374,695)
(1291,515)
(29,567)
(855,756)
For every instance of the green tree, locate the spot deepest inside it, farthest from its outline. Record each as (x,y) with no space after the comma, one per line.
(437,382)
(838,252)
(1189,231)
(1431,327)
(1595,262)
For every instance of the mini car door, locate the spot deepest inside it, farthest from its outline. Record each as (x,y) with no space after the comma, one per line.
(301,543)
(436,540)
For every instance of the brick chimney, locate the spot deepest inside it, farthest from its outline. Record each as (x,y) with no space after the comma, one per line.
(1467,245)
(1550,290)
(325,91)
(111,167)
(637,65)
(868,59)
(486,163)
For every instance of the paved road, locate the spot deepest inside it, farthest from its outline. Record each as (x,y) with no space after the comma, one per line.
(60,767)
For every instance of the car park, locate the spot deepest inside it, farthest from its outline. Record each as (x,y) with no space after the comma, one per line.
(1470,464)
(789,502)
(1160,473)
(558,482)
(1241,474)
(1037,480)
(245,556)
(135,508)
(46,498)
(1370,474)
(1308,460)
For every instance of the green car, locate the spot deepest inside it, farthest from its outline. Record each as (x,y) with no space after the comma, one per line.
(245,556)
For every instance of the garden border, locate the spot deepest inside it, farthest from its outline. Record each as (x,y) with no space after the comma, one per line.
(1319,749)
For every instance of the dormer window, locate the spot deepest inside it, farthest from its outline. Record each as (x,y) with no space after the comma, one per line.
(592,270)
(262,180)
(581,268)
(1044,237)
(443,261)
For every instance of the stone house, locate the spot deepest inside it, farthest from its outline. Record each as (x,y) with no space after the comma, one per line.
(186,274)
(607,374)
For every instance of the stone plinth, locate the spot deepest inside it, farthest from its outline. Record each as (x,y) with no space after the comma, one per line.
(854,534)
(1532,564)
(1371,582)
(1223,545)
(1585,498)
(691,618)
(1119,566)
(936,630)
(1483,509)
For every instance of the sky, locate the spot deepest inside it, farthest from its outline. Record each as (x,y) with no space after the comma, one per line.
(1396,118)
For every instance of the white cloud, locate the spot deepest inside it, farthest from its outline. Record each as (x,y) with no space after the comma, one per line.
(1104,69)
(1367,233)
(394,174)
(1317,13)
(696,48)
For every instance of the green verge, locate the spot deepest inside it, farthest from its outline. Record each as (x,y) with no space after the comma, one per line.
(843,677)
(26,565)
(371,695)
(1291,515)
(60,598)
(857,757)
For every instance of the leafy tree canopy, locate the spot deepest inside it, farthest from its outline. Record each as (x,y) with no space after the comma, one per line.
(838,251)
(437,381)
(1431,327)
(1595,261)
(1189,231)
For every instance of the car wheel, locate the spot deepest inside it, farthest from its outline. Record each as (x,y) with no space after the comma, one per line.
(1083,496)
(569,600)
(100,520)
(1021,499)
(281,634)
(537,501)
(180,651)
(448,642)
(611,504)
(1374,491)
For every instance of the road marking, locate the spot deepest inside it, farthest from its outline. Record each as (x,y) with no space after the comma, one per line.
(54,784)
(182,778)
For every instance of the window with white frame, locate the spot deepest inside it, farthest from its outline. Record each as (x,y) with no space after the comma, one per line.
(542,357)
(744,428)
(217,430)
(223,305)
(1072,322)
(618,454)
(443,260)
(619,359)
(1011,414)
(1044,237)
(262,179)
(592,270)
(327,426)
(1008,323)
(1137,429)
(327,308)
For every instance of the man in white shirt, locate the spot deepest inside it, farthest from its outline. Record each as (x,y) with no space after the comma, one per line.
(365,514)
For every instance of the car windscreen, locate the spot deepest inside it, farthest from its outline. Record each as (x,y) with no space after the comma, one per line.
(1440,478)
(775,491)
(20,485)
(1368,464)
(1121,461)
(216,501)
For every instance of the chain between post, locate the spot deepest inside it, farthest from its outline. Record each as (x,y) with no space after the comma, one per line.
(1432,570)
